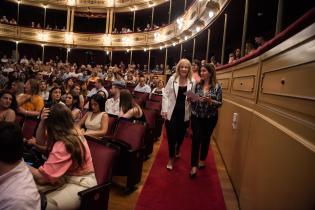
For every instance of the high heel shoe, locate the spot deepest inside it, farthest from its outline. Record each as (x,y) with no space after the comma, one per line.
(169,165)
(201,165)
(193,172)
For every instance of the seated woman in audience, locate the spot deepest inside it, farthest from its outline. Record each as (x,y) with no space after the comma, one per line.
(31,103)
(54,97)
(129,109)
(159,89)
(77,91)
(95,120)
(73,103)
(69,168)
(7,106)
(67,88)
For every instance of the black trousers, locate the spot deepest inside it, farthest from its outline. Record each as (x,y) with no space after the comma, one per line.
(202,129)
(175,131)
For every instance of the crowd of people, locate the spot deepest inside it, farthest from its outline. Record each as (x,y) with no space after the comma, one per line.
(125,30)
(71,103)
(4,19)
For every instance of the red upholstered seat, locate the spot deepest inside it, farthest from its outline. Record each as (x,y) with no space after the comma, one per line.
(130,87)
(154,106)
(29,128)
(130,134)
(103,156)
(112,124)
(19,119)
(151,120)
(141,98)
(156,98)
(103,159)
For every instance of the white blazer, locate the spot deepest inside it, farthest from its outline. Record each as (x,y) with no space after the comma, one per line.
(170,94)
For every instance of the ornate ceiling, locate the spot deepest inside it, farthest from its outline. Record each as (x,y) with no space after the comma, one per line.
(95,5)
(197,18)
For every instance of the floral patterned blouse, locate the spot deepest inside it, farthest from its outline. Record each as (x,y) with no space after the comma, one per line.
(204,109)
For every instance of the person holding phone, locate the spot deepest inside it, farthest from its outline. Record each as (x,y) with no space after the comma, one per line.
(176,108)
(204,115)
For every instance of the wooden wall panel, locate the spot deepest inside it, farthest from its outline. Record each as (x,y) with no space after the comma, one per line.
(270,156)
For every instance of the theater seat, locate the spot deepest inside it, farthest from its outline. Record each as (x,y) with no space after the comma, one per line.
(151,119)
(29,127)
(103,155)
(156,98)
(112,124)
(129,137)
(141,98)
(152,105)
(19,119)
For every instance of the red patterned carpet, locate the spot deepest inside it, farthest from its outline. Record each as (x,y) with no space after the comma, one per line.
(165,190)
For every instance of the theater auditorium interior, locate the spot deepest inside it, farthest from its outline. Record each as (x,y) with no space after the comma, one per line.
(157,104)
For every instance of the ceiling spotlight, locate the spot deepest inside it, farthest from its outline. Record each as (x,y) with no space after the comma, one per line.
(145,49)
(127,50)
(107,52)
(211,14)
(197,28)
(161,47)
(186,38)
(174,44)
(68,49)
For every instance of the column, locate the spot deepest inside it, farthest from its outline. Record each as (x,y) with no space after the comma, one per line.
(43,53)
(107,21)
(149,60)
(279,16)
(194,46)
(208,45)
(181,51)
(134,21)
(244,28)
(224,37)
(17,51)
(45,9)
(165,63)
(110,27)
(68,19)
(130,58)
(72,20)
(152,18)
(170,12)
(18,13)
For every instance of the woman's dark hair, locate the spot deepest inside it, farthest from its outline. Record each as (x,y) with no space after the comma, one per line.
(100,100)
(11,142)
(13,103)
(126,100)
(60,127)
(198,63)
(211,69)
(75,100)
(34,86)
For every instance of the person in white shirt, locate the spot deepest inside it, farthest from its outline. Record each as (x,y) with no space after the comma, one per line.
(4,59)
(99,86)
(17,186)
(142,87)
(24,60)
(112,104)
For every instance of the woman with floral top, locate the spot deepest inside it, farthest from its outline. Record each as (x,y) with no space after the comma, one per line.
(204,116)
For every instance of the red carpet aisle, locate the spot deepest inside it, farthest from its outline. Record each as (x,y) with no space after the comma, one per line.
(165,190)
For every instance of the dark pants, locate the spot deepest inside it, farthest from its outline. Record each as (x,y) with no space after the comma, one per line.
(202,129)
(175,131)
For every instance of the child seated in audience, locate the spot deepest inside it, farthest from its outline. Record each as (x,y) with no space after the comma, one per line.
(17,186)
(69,168)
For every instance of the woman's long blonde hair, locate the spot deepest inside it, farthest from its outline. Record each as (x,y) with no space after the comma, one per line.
(183,61)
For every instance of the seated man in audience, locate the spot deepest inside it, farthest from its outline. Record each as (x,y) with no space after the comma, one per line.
(142,86)
(112,104)
(17,186)
(99,86)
